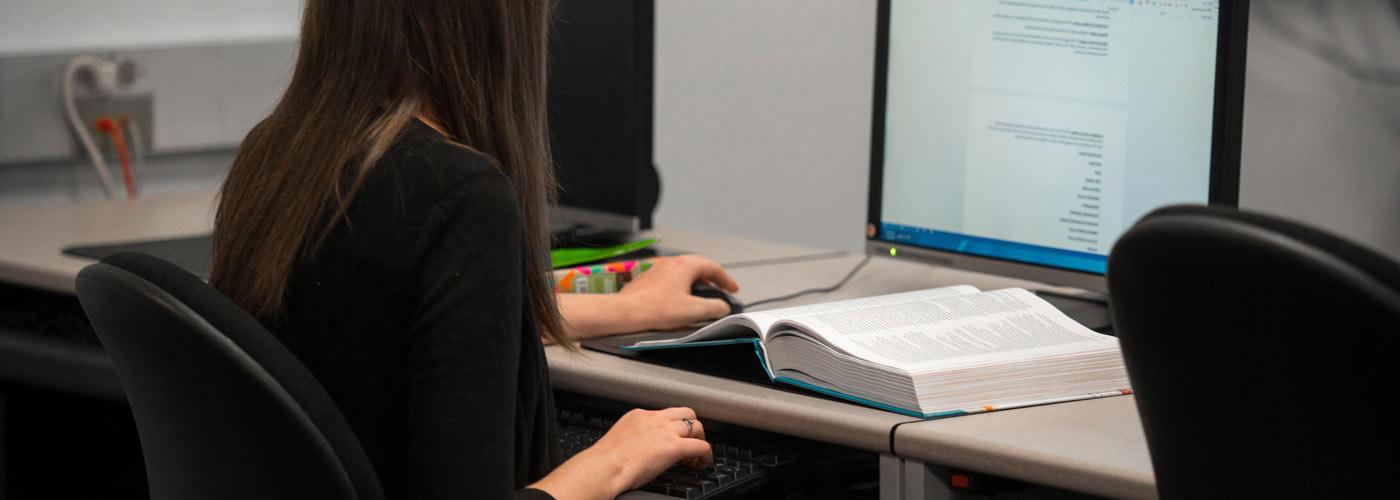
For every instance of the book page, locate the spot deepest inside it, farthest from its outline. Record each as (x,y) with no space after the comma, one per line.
(728,327)
(766,319)
(759,322)
(949,331)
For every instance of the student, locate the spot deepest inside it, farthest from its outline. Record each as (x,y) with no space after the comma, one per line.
(387,221)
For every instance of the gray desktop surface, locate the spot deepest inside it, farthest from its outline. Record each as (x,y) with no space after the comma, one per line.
(31,250)
(1094,447)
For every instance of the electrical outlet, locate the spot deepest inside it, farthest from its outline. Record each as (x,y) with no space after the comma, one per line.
(135,107)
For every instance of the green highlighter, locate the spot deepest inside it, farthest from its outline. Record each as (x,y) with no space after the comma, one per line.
(566,257)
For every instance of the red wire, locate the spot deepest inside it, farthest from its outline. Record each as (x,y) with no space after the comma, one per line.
(106,124)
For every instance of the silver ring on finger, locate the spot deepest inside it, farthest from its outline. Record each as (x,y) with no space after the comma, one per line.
(689,426)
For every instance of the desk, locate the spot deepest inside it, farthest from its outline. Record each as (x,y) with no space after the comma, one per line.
(1094,447)
(33,236)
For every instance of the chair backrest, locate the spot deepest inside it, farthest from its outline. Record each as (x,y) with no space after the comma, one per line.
(1260,353)
(223,409)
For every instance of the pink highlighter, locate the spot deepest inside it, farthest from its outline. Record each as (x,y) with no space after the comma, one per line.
(599,278)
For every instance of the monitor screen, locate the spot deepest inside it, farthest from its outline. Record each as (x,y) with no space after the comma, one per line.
(1037,131)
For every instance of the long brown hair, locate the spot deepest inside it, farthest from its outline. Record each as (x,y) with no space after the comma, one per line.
(365,69)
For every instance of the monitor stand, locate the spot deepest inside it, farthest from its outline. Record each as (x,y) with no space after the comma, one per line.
(585,236)
(1088,308)
(580,227)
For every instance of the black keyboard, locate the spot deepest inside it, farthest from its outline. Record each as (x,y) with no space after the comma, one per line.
(739,468)
(194,253)
(43,313)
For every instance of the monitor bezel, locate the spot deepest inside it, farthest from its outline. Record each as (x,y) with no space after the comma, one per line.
(1224,169)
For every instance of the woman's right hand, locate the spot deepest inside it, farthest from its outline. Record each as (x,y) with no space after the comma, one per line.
(661,296)
(639,447)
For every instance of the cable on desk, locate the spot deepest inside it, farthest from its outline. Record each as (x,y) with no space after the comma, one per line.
(829,289)
(784,260)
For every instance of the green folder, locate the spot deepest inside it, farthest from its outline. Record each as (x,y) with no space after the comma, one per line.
(567,257)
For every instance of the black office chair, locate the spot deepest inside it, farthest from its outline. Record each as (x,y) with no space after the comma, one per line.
(1262,353)
(223,409)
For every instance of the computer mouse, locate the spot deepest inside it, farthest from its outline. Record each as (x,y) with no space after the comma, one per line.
(710,292)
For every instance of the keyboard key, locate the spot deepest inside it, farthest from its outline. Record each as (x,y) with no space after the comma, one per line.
(656,487)
(684,491)
(720,478)
(774,459)
(735,471)
(704,485)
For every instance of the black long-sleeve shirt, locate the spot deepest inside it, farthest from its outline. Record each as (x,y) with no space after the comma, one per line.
(413,315)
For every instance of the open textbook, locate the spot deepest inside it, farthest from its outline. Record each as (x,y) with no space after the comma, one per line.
(931,353)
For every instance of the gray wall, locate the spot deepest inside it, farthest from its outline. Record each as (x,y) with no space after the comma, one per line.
(214,68)
(763,117)
(1320,145)
(47,26)
(205,98)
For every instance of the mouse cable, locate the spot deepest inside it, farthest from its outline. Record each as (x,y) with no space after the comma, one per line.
(829,289)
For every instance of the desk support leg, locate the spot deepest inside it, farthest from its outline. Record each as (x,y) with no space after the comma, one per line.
(4,447)
(902,479)
(891,477)
(928,482)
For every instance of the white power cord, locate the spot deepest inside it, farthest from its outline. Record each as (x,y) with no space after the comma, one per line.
(105,76)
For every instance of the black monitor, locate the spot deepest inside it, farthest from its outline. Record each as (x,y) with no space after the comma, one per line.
(600,111)
(1022,137)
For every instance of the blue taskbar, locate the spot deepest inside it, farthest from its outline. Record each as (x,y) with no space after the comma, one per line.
(996,249)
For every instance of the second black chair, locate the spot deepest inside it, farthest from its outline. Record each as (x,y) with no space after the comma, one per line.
(222,408)
(1260,351)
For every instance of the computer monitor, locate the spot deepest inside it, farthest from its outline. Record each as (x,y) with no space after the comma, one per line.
(1022,137)
(600,111)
